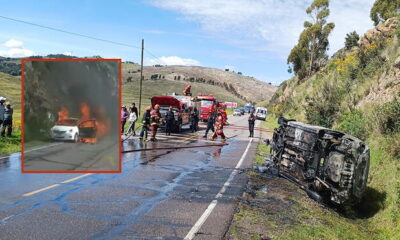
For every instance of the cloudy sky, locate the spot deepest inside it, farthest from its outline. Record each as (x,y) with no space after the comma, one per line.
(251,36)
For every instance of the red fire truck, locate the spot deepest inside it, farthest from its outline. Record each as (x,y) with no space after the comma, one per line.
(209,104)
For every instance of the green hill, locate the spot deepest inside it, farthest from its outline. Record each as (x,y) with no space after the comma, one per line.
(358,92)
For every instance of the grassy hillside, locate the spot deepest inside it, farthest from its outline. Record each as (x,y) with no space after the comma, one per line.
(246,88)
(357,92)
(130,91)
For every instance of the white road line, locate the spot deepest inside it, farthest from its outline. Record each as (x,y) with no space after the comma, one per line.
(35,149)
(196,227)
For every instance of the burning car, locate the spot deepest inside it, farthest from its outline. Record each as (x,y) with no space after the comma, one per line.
(323,162)
(66,129)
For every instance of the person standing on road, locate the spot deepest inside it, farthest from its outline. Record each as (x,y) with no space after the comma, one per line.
(133,108)
(194,119)
(124,116)
(155,118)
(7,122)
(2,110)
(210,124)
(219,128)
(169,121)
(252,120)
(132,120)
(146,124)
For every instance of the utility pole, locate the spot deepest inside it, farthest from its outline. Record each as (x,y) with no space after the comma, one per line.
(141,79)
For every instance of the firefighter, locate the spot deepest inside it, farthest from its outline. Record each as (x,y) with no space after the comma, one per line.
(155,118)
(194,119)
(169,121)
(8,118)
(186,91)
(252,120)
(210,123)
(146,124)
(219,128)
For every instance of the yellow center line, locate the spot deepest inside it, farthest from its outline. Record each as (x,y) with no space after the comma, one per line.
(79,177)
(41,190)
(76,178)
(56,185)
(189,138)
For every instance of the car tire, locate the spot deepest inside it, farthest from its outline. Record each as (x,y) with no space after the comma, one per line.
(76,138)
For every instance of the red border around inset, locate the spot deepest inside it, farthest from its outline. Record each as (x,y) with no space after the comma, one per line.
(23,110)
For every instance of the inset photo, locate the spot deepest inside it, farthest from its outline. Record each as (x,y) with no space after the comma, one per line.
(71,115)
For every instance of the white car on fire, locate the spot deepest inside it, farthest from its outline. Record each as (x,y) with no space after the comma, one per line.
(66,130)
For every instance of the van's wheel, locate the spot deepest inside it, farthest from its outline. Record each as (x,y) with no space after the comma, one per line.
(76,138)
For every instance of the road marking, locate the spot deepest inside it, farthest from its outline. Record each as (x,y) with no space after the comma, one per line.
(34,149)
(56,185)
(41,190)
(196,227)
(183,140)
(76,178)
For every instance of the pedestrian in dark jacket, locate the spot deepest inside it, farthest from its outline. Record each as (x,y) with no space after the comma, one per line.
(133,108)
(7,122)
(194,119)
(252,120)
(146,123)
(169,121)
(2,109)
(210,123)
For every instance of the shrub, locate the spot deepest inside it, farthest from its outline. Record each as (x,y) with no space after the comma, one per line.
(353,123)
(387,117)
(323,108)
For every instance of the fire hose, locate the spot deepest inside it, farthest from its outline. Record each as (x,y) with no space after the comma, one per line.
(245,128)
(176,147)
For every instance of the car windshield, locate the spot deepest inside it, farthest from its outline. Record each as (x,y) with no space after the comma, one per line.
(67,122)
(237,110)
(206,103)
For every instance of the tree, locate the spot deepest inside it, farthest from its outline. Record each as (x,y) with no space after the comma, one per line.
(351,40)
(384,9)
(309,55)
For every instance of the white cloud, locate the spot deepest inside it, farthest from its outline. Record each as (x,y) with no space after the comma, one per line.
(15,48)
(268,25)
(173,60)
(12,43)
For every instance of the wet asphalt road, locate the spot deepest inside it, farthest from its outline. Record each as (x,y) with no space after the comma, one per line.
(69,156)
(158,195)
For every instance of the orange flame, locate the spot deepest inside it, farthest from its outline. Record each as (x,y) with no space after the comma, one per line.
(85,112)
(101,123)
(63,114)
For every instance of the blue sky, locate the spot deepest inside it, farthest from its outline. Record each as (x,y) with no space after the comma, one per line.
(251,36)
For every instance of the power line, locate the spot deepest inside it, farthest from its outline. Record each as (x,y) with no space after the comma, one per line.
(157,59)
(71,33)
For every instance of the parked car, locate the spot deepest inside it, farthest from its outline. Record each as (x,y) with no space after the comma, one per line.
(242,111)
(66,129)
(237,112)
(261,113)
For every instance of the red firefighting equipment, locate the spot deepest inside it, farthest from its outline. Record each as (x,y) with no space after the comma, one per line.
(155,118)
(186,91)
(219,127)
